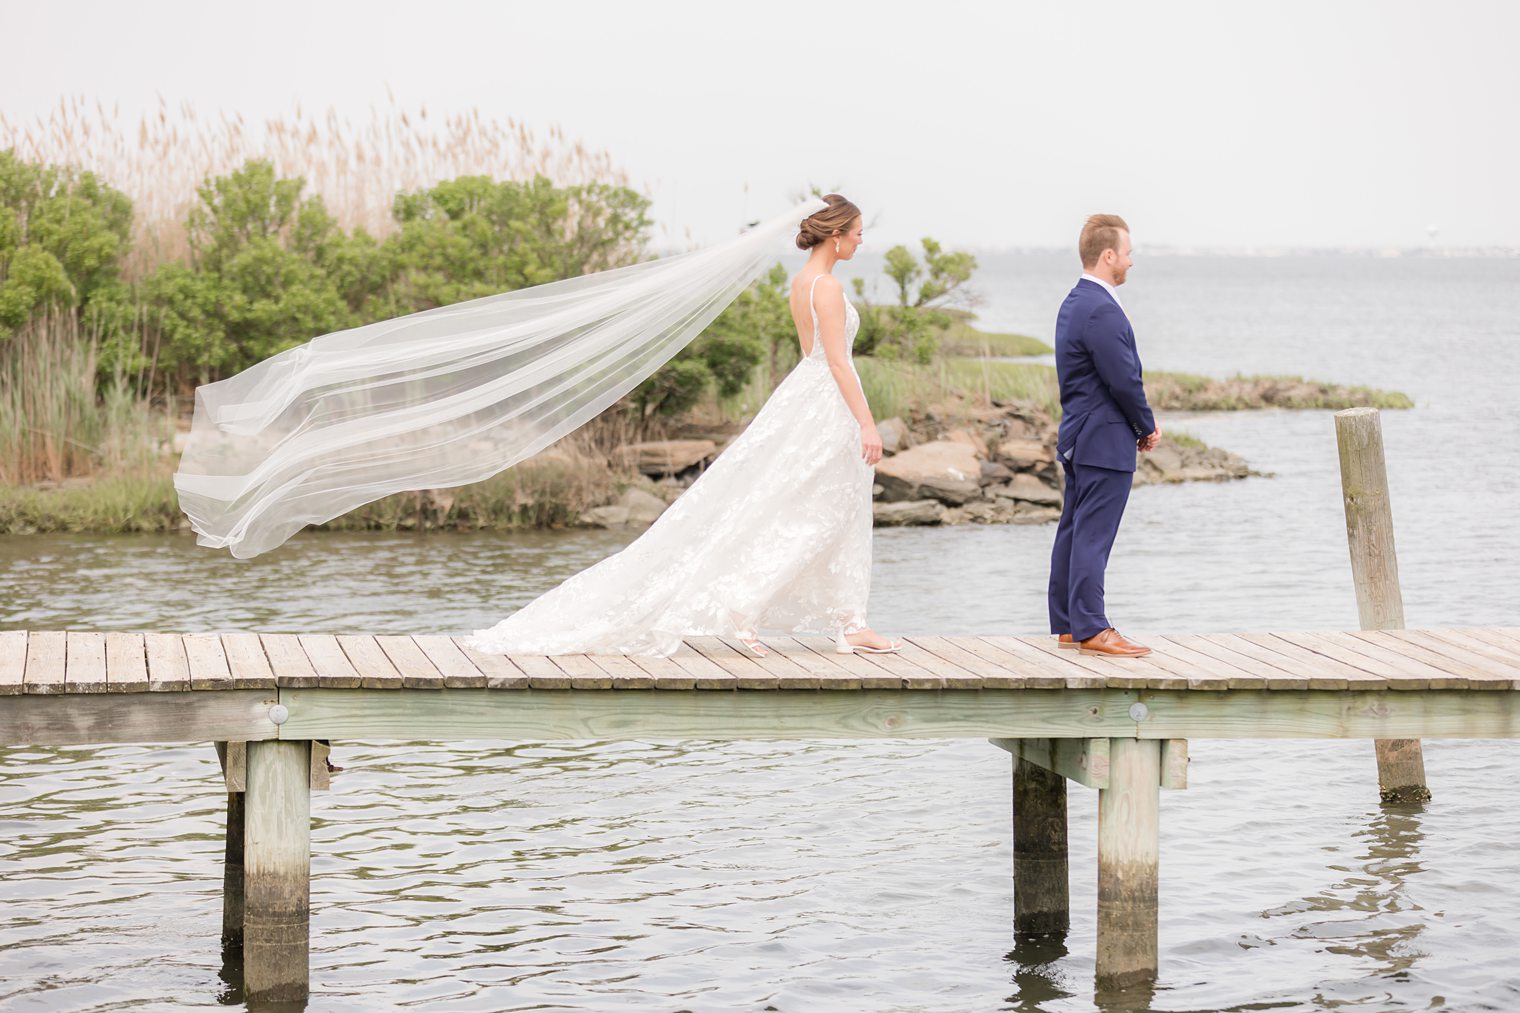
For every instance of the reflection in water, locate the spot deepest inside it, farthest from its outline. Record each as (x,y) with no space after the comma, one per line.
(1369,913)
(1039,973)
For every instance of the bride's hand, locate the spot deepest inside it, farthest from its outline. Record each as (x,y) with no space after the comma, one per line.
(870,444)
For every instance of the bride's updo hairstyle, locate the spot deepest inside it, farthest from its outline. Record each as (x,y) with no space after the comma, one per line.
(831,221)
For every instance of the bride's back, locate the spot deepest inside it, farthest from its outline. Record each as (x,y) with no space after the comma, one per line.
(802,314)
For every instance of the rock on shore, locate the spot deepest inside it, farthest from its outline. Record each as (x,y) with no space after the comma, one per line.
(946,464)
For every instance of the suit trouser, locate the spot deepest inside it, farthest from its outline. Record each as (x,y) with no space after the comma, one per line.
(1090,515)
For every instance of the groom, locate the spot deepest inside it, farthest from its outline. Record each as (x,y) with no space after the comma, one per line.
(1104,420)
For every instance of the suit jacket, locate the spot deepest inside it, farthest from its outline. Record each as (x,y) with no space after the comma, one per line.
(1103,406)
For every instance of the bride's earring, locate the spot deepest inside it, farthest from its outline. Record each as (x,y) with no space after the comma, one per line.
(836,245)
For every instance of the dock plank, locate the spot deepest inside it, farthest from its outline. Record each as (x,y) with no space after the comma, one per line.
(829,672)
(1033,668)
(666,673)
(416,668)
(870,676)
(1000,670)
(958,669)
(789,674)
(1038,669)
(625,672)
(459,672)
(583,671)
(168,668)
(541,671)
(1500,649)
(705,673)
(332,667)
(1301,674)
(1477,671)
(1203,671)
(86,667)
(12,662)
(1499,638)
(915,667)
(45,656)
(745,668)
(126,662)
(1323,672)
(247,662)
(369,659)
(1396,671)
(499,670)
(287,660)
(1269,675)
(207,660)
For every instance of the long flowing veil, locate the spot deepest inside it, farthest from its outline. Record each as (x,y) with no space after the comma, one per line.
(443,397)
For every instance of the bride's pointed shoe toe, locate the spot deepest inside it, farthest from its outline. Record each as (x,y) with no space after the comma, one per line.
(893,648)
(843,646)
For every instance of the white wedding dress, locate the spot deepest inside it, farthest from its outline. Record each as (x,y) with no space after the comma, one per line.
(775,535)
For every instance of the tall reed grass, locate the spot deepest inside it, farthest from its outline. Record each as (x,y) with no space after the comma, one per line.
(358,168)
(59,420)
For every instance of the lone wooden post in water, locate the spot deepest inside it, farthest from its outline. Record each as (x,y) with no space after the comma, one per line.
(1041,894)
(1129,851)
(277,863)
(1375,571)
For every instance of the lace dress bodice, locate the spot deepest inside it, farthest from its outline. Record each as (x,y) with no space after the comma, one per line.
(775,535)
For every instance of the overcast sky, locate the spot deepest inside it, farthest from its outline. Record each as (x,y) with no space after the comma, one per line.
(1294,123)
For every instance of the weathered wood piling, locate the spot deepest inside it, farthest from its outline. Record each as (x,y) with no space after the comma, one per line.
(1375,575)
(277,870)
(1041,883)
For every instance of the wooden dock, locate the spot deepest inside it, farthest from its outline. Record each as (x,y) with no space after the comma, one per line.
(1120,727)
(271,703)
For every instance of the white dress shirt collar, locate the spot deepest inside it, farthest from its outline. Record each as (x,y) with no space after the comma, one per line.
(1113,294)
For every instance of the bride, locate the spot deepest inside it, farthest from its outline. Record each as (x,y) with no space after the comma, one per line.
(775,535)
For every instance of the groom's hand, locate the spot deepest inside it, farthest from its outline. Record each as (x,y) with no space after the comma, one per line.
(1148,443)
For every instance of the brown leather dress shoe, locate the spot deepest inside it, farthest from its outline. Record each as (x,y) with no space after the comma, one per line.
(1065,641)
(1110,644)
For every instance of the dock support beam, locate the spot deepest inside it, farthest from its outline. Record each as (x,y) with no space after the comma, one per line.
(1129,847)
(1375,572)
(232,875)
(1041,894)
(277,865)
(232,859)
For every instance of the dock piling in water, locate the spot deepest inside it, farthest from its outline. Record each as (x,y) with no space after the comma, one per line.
(1041,891)
(1129,847)
(277,867)
(1375,573)
(232,857)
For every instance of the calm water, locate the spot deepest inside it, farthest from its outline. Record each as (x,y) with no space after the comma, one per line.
(869,876)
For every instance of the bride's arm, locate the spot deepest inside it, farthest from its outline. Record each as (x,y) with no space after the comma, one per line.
(828,300)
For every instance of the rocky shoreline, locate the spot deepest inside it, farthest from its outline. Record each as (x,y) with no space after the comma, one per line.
(946,464)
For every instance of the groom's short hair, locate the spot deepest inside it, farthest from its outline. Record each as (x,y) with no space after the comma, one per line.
(1100,233)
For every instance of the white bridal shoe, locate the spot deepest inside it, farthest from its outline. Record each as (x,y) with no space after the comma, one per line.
(843,646)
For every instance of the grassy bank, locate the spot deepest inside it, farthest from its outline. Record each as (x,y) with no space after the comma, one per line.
(93,466)
(894,387)
(550,491)
(961,338)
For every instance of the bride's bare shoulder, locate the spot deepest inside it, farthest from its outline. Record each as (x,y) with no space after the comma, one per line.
(804,282)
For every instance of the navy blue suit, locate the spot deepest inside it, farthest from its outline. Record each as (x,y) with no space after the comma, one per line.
(1103,415)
